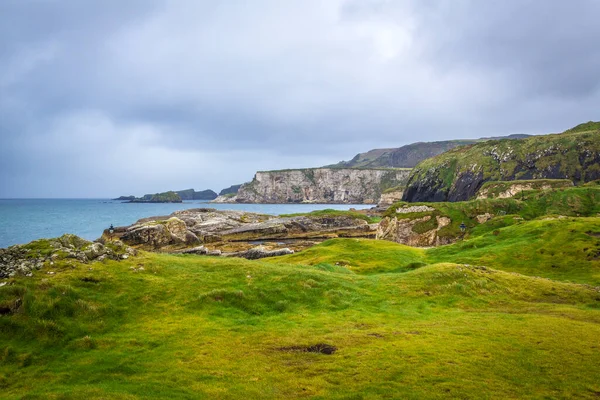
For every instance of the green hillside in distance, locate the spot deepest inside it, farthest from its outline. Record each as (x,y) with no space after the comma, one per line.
(165,197)
(408,156)
(191,194)
(459,173)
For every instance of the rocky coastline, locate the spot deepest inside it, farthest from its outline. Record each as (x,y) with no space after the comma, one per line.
(236,232)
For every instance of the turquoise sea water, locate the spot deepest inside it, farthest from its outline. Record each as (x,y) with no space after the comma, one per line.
(24,220)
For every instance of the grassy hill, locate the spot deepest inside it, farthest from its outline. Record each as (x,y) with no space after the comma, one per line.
(408,156)
(458,174)
(347,319)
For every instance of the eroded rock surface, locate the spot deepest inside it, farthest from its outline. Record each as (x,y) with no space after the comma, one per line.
(235,231)
(405,231)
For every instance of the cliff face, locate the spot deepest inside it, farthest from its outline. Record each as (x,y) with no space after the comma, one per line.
(233,189)
(458,174)
(320,185)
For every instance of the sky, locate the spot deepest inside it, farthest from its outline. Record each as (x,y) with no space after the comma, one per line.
(112,97)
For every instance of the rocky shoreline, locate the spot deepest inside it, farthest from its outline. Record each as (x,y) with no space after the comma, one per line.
(238,231)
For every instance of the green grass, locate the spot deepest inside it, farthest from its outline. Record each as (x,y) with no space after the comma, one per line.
(407,323)
(586,127)
(339,255)
(566,249)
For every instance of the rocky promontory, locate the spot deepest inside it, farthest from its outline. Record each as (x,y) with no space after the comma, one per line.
(191,194)
(318,185)
(458,174)
(239,231)
(171,196)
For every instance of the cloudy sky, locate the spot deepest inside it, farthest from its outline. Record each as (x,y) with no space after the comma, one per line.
(111,97)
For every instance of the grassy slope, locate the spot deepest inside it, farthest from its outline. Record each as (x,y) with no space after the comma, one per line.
(199,327)
(530,204)
(566,249)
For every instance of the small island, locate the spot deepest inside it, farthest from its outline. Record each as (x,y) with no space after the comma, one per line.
(166,197)
(170,196)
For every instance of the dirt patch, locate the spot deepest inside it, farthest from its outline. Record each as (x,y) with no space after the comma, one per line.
(322,348)
(90,279)
(594,234)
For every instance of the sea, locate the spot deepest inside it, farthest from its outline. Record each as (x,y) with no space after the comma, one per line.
(24,220)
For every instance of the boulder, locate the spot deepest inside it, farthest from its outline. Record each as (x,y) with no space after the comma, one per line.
(402,230)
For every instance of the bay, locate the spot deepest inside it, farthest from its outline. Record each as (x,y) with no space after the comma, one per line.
(24,220)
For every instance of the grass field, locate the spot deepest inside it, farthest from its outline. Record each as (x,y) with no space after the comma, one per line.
(521,320)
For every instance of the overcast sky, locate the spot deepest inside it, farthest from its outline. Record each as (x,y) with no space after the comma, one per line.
(104,98)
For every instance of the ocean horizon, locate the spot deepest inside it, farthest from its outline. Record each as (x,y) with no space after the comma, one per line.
(25,219)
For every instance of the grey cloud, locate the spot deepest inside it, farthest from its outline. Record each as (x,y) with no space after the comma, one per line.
(237,86)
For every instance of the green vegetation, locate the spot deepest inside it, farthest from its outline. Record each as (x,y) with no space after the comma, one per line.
(586,127)
(410,155)
(566,249)
(393,189)
(166,197)
(361,256)
(328,212)
(191,194)
(510,311)
(404,323)
(530,204)
(458,173)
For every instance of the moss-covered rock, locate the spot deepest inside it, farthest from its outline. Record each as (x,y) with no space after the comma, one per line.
(25,259)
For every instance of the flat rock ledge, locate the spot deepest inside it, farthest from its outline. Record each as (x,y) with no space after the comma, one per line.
(205,231)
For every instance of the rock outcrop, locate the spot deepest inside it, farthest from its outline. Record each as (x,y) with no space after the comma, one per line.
(504,190)
(404,230)
(390,197)
(24,259)
(160,233)
(458,174)
(319,185)
(233,189)
(235,231)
